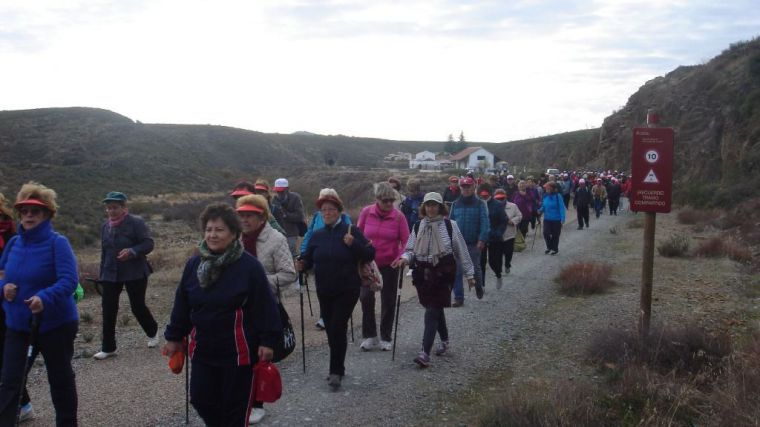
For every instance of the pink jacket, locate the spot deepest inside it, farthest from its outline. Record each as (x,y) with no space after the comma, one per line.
(388,232)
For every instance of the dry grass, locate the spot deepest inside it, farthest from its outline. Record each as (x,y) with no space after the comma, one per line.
(710,248)
(691,216)
(636,223)
(677,245)
(584,278)
(737,251)
(718,246)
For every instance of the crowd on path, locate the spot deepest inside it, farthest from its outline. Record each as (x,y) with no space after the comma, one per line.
(227,319)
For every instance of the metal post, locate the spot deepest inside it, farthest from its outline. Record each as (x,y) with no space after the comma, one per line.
(647,274)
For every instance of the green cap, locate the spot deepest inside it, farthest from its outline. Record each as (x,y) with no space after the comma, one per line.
(115,196)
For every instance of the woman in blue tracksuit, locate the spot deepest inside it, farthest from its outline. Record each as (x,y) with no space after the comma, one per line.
(40,277)
(225,304)
(553,208)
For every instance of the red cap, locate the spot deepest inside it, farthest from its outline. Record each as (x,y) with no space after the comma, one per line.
(261,187)
(499,196)
(267,382)
(467,181)
(30,202)
(250,208)
(240,192)
(485,193)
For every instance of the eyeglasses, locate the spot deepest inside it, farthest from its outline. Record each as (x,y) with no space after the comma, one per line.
(30,211)
(328,210)
(387,200)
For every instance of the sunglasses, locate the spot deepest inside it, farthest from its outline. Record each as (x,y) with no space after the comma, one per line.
(30,211)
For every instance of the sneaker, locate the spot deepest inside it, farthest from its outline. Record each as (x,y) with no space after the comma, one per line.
(26,412)
(555,252)
(153,342)
(320,324)
(386,345)
(479,291)
(369,344)
(101,355)
(546,252)
(334,381)
(256,415)
(422,359)
(458,303)
(507,270)
(499,283)
(441,348)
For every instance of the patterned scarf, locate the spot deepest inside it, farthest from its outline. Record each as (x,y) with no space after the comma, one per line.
(429,244)
(212,265)
(117,222)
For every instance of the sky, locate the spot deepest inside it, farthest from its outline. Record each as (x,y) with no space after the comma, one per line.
(408,70)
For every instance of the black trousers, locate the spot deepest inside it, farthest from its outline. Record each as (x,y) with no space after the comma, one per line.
(552,230)
(57,348)
(110,304)
(435,322)
(508,249)
(583,215)
(25,395)
(387,305)
(336,310)
(523,226)
(566,199)
(614,204)
(222,394)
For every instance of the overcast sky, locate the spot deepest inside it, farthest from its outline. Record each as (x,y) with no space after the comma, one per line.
(412,70)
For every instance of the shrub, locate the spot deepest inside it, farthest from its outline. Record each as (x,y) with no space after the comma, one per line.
(690,216)
(710,248)
(677,245)
(584,278)
(737,251)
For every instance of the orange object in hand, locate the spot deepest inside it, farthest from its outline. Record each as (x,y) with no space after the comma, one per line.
(177,362)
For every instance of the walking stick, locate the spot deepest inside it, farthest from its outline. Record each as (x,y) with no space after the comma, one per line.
(308,294)
(187,380)
(535,233)
(352,326)
(35,329)
(303,333)
(398,308)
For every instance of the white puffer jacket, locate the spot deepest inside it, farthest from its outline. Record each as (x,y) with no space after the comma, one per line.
(273,253)
(513,218)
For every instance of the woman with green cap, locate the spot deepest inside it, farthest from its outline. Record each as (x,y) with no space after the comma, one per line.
(125,243)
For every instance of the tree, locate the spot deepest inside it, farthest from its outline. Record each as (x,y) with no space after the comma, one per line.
(462,143)
(450,146)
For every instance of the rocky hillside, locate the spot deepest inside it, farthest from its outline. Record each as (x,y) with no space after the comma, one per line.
(714,109)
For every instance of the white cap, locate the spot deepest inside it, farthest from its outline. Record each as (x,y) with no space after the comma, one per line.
(280,184)
(510,177)
(436,197)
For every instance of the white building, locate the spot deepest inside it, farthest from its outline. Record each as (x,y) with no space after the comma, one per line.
(424,160)
(475,158)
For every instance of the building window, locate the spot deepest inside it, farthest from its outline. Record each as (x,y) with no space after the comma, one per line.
(481,158)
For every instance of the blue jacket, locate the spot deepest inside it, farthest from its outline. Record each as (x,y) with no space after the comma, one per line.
(40,262)
(410,207)
(471,215)
(131,234)
(497,215)
(230,320)
(318,223)
(553,207)
(335,264)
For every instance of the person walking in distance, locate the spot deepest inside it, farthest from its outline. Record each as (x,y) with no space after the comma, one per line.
(553,208)
(582,202)
(288,210)
(526,203)
(452,192)
(386,228)
(434,250)
(125,243)
(599,192)
(471,215)
(514,219)
(497,218)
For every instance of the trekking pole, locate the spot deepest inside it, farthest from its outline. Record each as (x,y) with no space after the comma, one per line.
(398,308)
(308,294)
(535,232)
(35,329)
(352,326)
(187,380)
(303,333)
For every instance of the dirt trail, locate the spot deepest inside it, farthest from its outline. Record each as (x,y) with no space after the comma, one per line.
(512,330)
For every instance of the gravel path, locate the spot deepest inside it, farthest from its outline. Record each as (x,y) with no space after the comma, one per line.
(137,389)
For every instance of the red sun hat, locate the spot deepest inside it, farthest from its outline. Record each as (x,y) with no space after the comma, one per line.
(240,192)
(499,196)
(30,202)
(467,181)
(250,208)
(267,382)
(484,193)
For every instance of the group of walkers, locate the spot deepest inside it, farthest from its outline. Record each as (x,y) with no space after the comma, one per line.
(225,314)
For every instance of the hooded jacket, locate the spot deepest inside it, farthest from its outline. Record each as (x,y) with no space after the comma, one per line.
(388,232)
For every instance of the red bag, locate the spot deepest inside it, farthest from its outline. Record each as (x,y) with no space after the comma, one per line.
(177,361)
(267,382)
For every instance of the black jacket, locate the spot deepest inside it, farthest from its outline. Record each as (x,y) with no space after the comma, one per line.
(334,263)
(582,197)
(131,234)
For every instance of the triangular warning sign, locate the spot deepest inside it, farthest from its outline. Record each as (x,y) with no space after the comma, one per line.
(651,178)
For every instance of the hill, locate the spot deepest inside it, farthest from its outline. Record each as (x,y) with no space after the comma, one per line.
(569,150)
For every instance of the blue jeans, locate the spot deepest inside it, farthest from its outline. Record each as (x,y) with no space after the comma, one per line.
(458,283)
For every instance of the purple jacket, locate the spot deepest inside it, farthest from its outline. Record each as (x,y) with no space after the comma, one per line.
(525,203)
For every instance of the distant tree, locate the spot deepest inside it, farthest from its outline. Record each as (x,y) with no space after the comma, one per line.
(451,145)
(461,144)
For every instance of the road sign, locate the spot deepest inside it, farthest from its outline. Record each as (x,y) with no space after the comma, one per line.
(652,170)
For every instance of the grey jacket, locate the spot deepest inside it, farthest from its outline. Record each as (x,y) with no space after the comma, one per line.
(131,234)
(289,213)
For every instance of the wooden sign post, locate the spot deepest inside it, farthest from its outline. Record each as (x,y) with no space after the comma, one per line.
(651,191)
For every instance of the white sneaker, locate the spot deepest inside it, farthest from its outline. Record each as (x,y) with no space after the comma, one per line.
(101,355)
(256,415)
(153,342)
(320,324)
(386,345)
(26,412)
(369,344)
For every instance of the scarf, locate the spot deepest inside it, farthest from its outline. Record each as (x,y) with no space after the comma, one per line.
(249,240)
(6,226)
(429,244)
(211,265)
(116,222)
